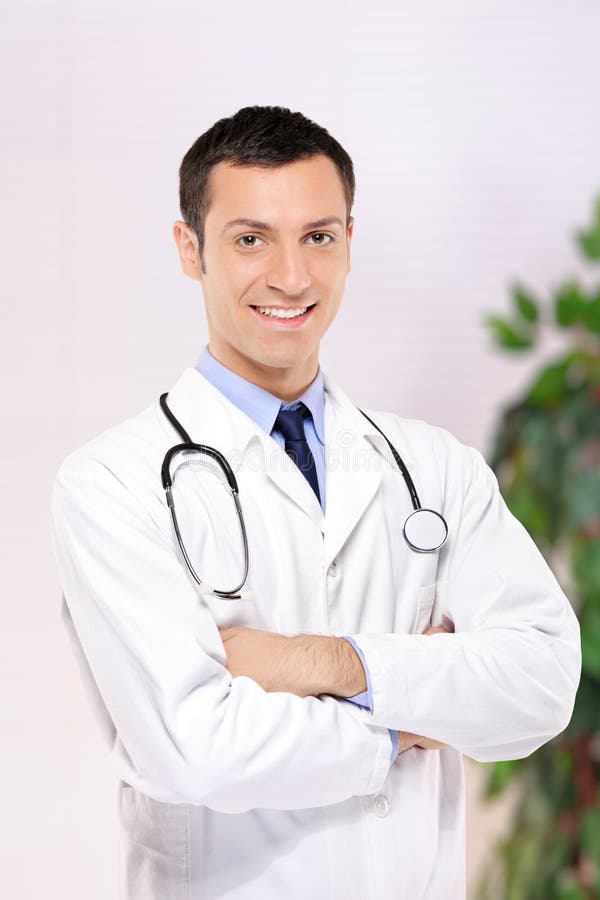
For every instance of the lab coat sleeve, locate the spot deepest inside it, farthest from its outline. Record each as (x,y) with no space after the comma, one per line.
(185,731)
(366,699)
(504,682)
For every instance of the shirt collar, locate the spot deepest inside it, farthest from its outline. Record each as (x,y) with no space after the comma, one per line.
(260,405)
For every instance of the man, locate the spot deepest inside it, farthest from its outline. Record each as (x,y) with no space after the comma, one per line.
(307,739)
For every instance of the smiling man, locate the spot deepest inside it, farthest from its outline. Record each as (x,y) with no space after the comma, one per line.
(272,286)
(301,734)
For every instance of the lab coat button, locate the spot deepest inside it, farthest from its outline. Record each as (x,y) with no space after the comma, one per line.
(332,570)
(381,805)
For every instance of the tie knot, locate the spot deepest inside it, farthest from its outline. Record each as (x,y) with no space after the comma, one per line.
(290,422)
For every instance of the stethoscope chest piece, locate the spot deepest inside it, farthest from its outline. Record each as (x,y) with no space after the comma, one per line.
(425,530)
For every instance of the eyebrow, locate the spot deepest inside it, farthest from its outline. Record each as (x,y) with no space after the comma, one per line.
(263,226)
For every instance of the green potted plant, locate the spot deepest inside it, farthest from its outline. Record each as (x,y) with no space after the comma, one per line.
(546,455)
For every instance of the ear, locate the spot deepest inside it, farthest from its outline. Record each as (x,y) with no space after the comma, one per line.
(349,233)
(187,245)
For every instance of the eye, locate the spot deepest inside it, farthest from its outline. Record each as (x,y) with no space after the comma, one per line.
(245,237)
(322,234)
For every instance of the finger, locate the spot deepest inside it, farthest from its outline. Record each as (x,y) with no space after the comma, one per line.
(430,744)
(407,740)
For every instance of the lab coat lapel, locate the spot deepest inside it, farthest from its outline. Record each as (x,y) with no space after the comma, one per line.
(354,467)
(289,479)
(210,418)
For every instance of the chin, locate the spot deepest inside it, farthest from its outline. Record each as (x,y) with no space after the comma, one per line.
(282,362)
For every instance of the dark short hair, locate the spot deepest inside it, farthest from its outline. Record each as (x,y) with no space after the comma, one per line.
(255,136)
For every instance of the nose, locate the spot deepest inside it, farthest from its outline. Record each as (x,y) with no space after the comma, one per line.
(287,271)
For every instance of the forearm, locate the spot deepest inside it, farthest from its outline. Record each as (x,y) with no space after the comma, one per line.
(303,664)
(327,665)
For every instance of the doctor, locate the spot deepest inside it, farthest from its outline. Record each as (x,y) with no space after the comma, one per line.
(306,740)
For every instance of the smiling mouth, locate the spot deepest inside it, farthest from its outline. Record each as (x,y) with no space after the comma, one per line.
(284,313)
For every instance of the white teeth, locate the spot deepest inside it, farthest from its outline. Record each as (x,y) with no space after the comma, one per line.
(282,313)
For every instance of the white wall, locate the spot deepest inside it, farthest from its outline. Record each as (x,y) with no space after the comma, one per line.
(475,135)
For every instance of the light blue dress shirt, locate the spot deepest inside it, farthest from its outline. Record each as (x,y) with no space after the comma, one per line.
(263,408)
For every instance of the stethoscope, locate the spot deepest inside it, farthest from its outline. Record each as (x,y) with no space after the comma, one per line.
(424,530)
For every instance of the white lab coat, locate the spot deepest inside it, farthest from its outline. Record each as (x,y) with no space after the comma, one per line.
(227,791)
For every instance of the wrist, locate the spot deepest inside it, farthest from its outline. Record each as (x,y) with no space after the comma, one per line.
(345,676)
(332,666)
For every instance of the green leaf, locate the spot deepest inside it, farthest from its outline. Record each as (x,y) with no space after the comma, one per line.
(551,386)
(585,563)
(525,304)
(589,244)
(590,641)
(568,887)
(501,774)
(568,304)
(591,314)
(507,335)
(528,507)
(590,833)
(589,239)
(583,499)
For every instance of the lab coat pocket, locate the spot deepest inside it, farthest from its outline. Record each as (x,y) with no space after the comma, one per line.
(426,599)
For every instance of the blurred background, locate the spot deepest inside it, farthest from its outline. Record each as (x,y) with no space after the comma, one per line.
(475,136)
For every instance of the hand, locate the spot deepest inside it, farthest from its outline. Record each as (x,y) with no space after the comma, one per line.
(408,740)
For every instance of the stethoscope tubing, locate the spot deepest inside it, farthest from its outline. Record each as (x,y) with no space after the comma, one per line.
(189,446)
(400,463)
(167,483)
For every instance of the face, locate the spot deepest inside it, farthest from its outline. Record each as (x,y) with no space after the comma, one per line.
(285,257)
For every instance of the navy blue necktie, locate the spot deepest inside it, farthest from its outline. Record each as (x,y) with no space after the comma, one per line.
(290,422)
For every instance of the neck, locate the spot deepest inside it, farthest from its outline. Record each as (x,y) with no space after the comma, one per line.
(287,383)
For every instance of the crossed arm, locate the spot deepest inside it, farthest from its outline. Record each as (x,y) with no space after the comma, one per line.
(498,688)
(305,665)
